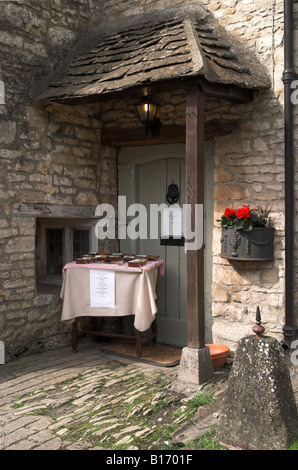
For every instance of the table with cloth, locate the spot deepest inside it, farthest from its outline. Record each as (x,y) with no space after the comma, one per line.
(135,294)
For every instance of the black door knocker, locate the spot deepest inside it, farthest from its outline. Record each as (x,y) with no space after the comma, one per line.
(173,193)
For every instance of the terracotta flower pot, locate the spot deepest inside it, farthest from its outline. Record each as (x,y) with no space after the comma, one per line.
(219,354)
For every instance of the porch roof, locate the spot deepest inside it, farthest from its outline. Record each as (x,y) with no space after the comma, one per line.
(175,43)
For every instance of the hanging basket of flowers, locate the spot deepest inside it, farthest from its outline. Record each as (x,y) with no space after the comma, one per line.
(247,235)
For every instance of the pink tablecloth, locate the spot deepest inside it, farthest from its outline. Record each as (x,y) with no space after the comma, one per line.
(135,292)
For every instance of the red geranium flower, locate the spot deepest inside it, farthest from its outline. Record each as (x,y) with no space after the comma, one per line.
(229,212)
(244,212)
(244,219)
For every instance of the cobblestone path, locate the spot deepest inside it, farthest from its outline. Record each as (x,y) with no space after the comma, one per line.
(87,400)
(90,400)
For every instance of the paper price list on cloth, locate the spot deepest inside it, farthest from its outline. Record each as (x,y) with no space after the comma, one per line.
(102,288)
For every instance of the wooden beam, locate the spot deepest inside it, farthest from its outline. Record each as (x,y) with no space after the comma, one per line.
(195,104)
(47,210)
(121,137)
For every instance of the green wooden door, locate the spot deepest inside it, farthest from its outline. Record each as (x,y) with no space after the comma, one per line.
(144,174)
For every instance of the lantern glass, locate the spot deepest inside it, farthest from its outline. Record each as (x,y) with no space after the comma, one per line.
(146,111)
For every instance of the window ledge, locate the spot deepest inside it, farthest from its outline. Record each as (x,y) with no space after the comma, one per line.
(49,285)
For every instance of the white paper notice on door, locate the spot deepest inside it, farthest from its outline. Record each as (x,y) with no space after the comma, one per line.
(102,288)
(172,223)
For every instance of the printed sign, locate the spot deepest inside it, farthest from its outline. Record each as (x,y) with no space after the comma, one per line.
(102,288)
(172,223)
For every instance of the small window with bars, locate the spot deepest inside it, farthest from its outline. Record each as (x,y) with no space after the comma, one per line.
(59,242)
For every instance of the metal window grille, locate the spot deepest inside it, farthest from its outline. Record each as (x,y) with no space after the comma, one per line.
(80,242)
(54,251)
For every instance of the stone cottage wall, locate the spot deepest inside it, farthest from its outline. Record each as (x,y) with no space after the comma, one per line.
(49,155)
(249,166)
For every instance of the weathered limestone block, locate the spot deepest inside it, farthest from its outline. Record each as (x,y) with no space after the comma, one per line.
(195,366)
(59,35)
(87,199)
(220,293)
(7,132)
(230,192)
(22,244)
(221,175)
(259,410)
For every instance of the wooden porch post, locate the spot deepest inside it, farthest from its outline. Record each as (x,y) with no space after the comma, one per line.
(195,106)
(196,364)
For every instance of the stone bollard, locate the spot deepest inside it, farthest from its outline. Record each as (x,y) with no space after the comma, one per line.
(259,410)
(196,366)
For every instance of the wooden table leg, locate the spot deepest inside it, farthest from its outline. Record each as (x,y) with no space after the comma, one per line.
(154,330)
(138,344)
(74,336)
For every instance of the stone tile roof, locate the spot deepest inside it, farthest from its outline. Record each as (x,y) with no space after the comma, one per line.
(175,43)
